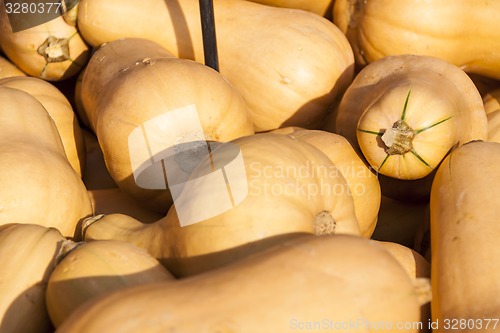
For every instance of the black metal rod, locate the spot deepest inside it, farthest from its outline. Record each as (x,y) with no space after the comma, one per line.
(208,32)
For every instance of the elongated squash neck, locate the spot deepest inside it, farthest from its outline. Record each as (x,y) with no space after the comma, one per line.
(398,140)
(122,227)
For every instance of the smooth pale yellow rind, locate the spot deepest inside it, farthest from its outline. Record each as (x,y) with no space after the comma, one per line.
(310,279)
(289,65)
(128,75)
(8,69)
(27,257)
(286,193)
(38,184)
(61,111)
(93,269)
(464,33)
(464,210)
(444,109)
(21,48)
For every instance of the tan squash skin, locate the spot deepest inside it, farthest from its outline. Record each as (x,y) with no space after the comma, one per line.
(60,109)
(8,69)
(89,270)
(71,15)
(320,7)
(492,107)
(22,48)
(363,184)
(465,206)
(38,183)
(123,74)
(417,267)
(304,280)
(27,256)
(465,34)
(77,98)
(282,200)
(292,82)
(437,100)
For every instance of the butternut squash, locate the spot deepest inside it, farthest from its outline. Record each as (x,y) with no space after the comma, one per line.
(290,66)
(69,11)
(464,210)
(407,112)
(363,184)
(320,282)
(152,112)
(282,188)
(78,99)
(38,183)
(52,51)
(417,267)
(89,270)
(27,257)
(465,34)
(61,111)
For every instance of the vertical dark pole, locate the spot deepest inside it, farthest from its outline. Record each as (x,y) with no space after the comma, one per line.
(208,31)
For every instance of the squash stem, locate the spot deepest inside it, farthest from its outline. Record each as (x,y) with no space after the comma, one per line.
(88,221)
(66,247)
(399,139)
(54,49)
(324,223)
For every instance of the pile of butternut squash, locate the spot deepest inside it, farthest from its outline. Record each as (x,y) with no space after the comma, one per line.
(336,172)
